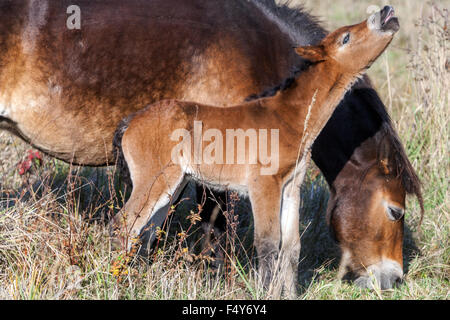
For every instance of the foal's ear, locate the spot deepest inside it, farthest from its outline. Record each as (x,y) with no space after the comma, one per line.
(312,53)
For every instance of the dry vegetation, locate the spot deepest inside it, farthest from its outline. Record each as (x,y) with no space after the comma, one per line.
(54,243)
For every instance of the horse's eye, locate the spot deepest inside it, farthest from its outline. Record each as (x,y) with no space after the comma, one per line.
(346,38)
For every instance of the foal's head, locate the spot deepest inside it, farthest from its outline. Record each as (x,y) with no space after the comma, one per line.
(352,49)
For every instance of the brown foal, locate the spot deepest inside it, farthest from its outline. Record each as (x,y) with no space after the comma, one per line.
(161,155)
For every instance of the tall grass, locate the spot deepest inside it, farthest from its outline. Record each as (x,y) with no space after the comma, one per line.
(55,244)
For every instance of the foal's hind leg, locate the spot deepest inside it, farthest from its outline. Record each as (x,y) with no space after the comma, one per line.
(152,192)
(265,197)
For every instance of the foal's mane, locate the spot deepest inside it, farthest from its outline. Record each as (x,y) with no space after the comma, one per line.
(284,85)
(305,29)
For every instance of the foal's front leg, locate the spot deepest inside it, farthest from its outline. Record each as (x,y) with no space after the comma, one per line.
(265,197)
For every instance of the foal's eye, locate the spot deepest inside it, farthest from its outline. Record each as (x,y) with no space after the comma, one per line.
(346,38)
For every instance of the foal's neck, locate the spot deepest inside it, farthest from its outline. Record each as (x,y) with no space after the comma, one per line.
(313,97)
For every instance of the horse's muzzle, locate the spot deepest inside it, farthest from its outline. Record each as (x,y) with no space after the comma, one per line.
(386,274)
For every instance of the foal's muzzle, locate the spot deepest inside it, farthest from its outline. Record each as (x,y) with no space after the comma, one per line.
(388,20)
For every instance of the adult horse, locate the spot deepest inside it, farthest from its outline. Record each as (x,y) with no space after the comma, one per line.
(65,91)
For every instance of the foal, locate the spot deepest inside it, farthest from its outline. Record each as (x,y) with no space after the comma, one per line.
(157,145)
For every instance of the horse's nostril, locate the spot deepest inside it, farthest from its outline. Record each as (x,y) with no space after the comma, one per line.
(395,213)
(398,281)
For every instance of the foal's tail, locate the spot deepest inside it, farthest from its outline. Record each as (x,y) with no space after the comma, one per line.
(121,164)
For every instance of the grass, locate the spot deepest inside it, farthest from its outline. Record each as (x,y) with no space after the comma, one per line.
(54,242)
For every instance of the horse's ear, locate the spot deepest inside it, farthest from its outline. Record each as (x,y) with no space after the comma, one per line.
(384,155)
(312,53)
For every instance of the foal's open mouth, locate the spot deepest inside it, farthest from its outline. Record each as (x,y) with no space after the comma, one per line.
(389,22)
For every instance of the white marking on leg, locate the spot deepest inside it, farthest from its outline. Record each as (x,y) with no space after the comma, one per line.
(289,217)
(290,237)
(345,260)
(291,201)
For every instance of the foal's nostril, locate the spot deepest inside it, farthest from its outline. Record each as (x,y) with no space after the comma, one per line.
(386,10)
(395,213)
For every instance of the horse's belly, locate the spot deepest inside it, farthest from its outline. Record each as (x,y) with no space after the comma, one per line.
(81,136)
(65,141)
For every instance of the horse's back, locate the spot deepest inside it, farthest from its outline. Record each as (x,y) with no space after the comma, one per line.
(79,84)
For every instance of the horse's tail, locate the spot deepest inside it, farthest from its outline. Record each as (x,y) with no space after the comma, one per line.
(121,164)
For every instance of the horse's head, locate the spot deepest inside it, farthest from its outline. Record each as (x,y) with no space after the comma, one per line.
(353,49)
(366,216)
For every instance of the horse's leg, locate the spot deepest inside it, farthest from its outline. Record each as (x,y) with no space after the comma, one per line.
(265,197)
(290,237)
(152,195)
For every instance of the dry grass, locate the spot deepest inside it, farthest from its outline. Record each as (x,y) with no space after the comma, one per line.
(54,243)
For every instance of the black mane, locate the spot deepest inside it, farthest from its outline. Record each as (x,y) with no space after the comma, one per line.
(284,85)
(403,168)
